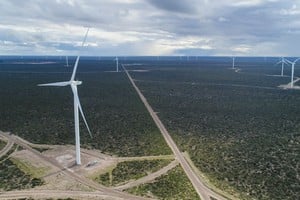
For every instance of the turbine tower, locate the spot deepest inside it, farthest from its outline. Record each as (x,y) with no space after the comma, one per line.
(67,61)
(233,64)
(117,64)
(73,83)
(293,69)
(283,61)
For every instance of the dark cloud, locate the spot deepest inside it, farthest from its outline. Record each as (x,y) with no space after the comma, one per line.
(181,6)
(164,27)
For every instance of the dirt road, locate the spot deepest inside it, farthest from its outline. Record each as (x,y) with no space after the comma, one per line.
(57,194)
(107,191)
(203,191)
(149,178)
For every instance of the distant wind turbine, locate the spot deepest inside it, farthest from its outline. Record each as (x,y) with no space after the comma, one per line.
(67,61)
(77,105)
(117,64)
(293,69)
(233,62)
(283,61)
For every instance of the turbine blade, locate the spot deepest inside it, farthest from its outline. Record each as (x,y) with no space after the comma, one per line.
(77,59)
(82,114)
(289,62)
(75,93)
(56,84)
(75,68)
(296,60)
(87,31)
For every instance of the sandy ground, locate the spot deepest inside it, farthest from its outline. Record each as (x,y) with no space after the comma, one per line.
(288,86)
(53,177)
(92,162)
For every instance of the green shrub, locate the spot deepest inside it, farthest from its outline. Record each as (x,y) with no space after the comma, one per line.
(174,185)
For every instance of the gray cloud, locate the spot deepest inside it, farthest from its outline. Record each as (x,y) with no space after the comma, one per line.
(151,27)
(182,6)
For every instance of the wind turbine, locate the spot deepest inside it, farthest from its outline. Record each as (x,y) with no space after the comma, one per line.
(73,83)
(67,61)
(283,61)
(117,64)
(233,62)
(293,69)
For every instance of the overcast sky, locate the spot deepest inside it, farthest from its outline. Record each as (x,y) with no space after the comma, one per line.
(151,27)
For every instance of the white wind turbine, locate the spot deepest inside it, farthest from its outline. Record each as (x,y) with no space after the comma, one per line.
(293,69)
(233,62)
(67,61)
(117,64)
(73,83)
(283,61)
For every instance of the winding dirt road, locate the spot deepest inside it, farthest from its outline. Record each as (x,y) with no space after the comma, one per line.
(113,194)
(149,178)
(57,194)
(203,191)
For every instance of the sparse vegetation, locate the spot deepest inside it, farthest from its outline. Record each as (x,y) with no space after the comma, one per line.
(105,179)
(118,120)
(13,173)
(130,170)
(27,168)
(12,178)
(2,144)
(239,128)
(174,185)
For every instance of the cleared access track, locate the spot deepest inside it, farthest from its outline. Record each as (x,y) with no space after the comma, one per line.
(100,190)
(203,191)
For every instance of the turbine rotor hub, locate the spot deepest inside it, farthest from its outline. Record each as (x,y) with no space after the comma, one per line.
(76,82)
